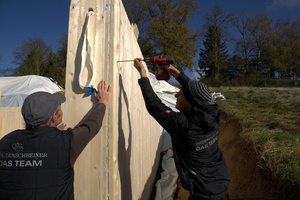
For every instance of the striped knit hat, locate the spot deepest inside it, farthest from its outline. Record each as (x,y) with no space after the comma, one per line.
(197,93)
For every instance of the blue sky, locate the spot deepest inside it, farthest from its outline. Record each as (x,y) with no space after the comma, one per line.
(48,19)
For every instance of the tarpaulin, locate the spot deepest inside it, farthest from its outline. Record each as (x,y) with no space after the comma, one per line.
(15,89)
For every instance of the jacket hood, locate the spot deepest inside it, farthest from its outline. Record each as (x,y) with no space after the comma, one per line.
(205,117)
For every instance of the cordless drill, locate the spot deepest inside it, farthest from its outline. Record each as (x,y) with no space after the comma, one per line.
(161,74)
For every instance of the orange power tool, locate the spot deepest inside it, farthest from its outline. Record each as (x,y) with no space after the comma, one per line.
(160,74)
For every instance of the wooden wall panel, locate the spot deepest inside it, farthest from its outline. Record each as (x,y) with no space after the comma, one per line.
(121,161)
(10,120)
(90,168)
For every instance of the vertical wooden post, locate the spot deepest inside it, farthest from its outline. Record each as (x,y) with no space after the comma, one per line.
(121,161)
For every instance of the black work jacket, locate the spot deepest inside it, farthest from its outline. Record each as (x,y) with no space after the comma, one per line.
(198,158)
(35,165)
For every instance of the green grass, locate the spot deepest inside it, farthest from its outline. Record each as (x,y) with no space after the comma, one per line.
(270,120)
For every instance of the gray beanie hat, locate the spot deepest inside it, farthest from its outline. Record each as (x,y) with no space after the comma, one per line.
(40,106)
(197,93)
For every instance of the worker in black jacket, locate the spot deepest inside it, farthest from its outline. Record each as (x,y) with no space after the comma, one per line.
(194,131)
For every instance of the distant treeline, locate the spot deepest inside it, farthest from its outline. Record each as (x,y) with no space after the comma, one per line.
(34,56)
(234,49)
(264,53)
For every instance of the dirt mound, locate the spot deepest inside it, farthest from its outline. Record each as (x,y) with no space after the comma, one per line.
(248,180)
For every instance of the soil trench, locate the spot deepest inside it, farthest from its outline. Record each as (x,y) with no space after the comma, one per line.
(247,180)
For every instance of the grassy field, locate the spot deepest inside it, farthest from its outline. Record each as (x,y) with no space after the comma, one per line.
(270,120)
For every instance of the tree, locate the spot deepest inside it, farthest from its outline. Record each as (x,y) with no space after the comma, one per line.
(214,55)
(56,63)
(260,29)
(60,60)
(35,57)
(294,38)
(286,50)
(166,28)
(31,56)
(62,49)
(235,69)
(2,71)
(137,12)
(54,69)
(253,46)
(244,45)
(218,18)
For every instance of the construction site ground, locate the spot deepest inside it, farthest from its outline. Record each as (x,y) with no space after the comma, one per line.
(248,180)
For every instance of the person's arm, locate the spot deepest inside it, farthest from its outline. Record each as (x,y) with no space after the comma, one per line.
(82,134)
(159,111)
(170,68)
(153,103)
(180,76)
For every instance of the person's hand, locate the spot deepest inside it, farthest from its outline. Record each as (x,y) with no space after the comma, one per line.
(65,127)
(140,67)
(102,95)
(164,67)
(170,68)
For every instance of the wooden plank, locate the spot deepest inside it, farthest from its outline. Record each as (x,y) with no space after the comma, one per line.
(10,120)
(121,161)
(90,168)
(137,142)
(124,155)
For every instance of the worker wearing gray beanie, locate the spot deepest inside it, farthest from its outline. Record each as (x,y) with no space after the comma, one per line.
(194,131)
(197,93)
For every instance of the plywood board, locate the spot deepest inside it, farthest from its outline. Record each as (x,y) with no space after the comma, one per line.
(121,161)
(10,120)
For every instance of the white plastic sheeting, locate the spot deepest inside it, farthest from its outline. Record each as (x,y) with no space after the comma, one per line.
(166,92)
(167,185)
(163,86)
(14,90)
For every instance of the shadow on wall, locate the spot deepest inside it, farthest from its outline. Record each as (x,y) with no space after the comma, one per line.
(123,154)
(149,185)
